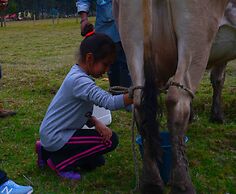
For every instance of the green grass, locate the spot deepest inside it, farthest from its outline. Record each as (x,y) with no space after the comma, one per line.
(36,58)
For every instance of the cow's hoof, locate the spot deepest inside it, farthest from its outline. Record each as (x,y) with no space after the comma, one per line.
(152,189)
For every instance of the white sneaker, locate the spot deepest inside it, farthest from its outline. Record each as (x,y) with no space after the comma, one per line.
(10,187)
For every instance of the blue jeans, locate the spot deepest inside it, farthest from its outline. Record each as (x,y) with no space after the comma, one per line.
(118,73)
(84,149)
(3,177)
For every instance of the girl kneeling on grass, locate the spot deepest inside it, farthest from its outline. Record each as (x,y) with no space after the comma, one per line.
(63,145)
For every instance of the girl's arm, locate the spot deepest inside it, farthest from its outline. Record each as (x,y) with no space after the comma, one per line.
(85,89)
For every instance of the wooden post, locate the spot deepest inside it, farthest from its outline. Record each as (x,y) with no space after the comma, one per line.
(77,18)
(53,19)
(58,18)
(34,18)
(1,18)
(4,22)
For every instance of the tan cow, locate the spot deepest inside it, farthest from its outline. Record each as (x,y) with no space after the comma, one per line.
(223,50)
(167,43)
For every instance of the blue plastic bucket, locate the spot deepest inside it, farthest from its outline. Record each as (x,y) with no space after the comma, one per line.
(165,166)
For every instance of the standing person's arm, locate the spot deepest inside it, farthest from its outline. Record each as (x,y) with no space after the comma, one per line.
(83,7)
(3,4)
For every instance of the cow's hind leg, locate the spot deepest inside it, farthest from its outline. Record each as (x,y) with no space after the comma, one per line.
(151,182)
(217,81)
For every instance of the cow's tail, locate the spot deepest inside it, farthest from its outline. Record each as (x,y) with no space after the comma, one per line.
(149,117)
(149,105)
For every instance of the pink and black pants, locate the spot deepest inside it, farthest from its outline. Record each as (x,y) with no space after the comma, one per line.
(84,149)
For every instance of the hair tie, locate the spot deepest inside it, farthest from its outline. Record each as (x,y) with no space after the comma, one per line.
(89,34)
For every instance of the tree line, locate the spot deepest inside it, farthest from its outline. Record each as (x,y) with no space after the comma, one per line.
(42,8)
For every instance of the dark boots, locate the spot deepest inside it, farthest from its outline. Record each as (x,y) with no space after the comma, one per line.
(6,113)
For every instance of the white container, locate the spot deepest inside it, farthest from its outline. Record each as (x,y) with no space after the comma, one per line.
(102,115)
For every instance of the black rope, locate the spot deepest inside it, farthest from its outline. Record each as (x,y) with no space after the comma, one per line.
(178,85)
(116,90)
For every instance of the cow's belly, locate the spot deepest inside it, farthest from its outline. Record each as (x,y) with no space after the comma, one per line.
(223,48)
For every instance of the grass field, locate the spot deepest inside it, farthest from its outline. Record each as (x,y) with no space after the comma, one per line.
(35,59)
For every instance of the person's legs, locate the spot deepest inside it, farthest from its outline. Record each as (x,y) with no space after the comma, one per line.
(9,186)
(114,73)
(124,75)
(84,149)
(3,177)
(85,144)
(91,163)
(118,73)
(42,154)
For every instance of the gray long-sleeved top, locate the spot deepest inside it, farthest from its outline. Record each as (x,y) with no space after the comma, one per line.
(67,111)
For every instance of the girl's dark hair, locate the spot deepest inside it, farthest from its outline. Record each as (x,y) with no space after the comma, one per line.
(100,45)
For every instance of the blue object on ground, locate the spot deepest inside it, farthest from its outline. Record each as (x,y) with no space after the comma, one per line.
(165,166)
(13,188)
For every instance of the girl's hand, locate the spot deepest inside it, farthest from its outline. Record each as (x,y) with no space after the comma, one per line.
(128,100)
(104,131)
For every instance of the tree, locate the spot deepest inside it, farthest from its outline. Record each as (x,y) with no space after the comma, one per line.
(12,7)
(40,7)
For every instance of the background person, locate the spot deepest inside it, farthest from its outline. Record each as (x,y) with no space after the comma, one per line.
(8,186)
(118,73)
